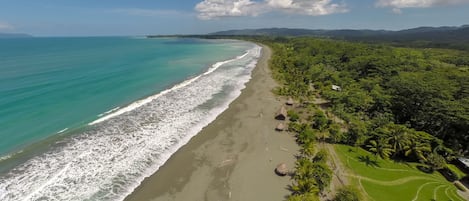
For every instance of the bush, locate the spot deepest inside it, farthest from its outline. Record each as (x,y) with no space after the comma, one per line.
(321,156)
(320,120)
(335,135)
(295,127)
(347,194)
(293,115)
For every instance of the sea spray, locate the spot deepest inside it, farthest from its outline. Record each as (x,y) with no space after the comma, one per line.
(48,84)
(110,159)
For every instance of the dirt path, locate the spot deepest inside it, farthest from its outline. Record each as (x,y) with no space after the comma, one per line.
(339,177)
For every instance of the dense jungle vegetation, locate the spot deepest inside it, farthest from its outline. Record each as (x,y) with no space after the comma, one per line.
(417,98)
(403,104)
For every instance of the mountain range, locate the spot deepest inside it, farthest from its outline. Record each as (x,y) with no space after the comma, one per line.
(456,37)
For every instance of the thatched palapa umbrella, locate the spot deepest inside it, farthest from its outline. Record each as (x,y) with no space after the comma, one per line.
(280,127)
(290,101)
(281,169)
(281,114)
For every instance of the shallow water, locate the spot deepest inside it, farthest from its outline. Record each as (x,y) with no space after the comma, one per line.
(126,139)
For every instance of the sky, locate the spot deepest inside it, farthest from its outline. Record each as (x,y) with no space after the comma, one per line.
(143,17)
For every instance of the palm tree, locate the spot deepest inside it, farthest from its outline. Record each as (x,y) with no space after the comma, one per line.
(398,137)
(303,169)
(306,136)
(380,147)
(417,149)
(305,186)
(307,150)
(322,175)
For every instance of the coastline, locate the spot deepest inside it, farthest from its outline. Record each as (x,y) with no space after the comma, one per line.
(234,157)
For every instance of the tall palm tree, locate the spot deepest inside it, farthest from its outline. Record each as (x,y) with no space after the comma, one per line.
(303,168)
(398,137)
(417,149)
(307,150)
(380,147)
(305,186)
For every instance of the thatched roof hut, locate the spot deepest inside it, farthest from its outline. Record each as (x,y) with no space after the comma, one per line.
(281,169)
(280,127)
(290,101)
(281,114)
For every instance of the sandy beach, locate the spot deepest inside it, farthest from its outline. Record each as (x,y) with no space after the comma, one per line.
(234,157)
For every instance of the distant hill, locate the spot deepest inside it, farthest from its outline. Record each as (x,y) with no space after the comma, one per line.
(342,32)
(299,32)
(447,36)
(14,35)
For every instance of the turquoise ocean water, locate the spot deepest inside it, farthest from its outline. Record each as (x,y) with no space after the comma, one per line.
(97,115)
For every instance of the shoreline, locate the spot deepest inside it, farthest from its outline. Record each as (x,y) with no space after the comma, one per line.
(234,157)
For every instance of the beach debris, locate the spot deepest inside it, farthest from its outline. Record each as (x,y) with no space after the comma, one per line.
(336,88)
(226,162)
(290,101)
(280,127)
(281,114)
(283,149)
(281,169)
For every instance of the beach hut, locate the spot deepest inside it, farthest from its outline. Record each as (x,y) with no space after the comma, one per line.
(290,101)
(281,169)
(281,114)
(280,127)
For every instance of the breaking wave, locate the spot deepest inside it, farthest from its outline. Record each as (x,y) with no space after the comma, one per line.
(125,145)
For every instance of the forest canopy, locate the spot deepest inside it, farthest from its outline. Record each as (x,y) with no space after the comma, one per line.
(382,88)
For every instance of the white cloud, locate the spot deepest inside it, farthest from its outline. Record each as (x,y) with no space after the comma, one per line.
(5,26)
(308,7)
(417,3)
(210,9)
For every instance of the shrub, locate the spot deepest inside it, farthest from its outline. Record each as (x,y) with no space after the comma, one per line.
(320,120)
(321,156)
(347,194)
(293,115)
(335,135)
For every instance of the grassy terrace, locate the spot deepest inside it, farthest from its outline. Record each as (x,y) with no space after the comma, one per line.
(388,180)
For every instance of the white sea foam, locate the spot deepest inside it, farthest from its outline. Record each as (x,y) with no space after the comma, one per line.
(63,130)
(109,111)
(8,156)
(122,148)
(142,102)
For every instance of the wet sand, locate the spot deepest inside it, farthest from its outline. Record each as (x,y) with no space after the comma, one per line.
(234,157)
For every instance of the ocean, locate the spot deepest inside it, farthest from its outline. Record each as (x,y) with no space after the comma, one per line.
(90,118)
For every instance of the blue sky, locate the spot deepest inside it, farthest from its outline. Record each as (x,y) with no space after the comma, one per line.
(142,17)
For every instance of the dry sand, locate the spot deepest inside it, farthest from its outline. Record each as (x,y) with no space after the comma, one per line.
(234,157)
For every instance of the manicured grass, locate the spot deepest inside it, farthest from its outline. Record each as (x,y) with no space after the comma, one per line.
(386,180)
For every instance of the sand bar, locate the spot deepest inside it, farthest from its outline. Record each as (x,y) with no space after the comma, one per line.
(234,157)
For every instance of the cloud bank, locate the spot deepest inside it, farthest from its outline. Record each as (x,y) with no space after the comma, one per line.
(397,5)
(211,9)
(418,3)
(4,26)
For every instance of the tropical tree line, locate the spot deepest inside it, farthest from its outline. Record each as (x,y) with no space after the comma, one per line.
(398,103)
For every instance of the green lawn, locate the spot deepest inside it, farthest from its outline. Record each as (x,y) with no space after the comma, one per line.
(386,180)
